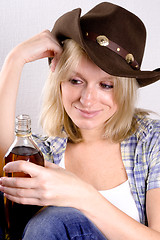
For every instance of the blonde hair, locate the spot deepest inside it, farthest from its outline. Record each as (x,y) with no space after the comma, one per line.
(54,118)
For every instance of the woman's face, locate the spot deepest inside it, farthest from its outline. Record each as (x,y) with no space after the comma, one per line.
(88,96)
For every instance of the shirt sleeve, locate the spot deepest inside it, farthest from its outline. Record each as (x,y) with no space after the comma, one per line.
(44,145)
(153,180)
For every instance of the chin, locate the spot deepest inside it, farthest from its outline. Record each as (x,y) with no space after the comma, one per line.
(88,126)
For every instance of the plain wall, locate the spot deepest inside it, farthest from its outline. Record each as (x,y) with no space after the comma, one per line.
(21,19)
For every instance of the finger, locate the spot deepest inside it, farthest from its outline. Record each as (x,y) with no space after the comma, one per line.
(57,54)
(18,182)
(22,200)
(54,49)
(48,53)
(51,165)
(23,166)
(20,192)
(53,65)
(55,61)
(40,46)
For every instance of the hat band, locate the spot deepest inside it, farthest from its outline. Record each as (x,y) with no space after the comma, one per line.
(103,41)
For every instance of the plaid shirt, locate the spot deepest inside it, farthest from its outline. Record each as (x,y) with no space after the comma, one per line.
(140,155)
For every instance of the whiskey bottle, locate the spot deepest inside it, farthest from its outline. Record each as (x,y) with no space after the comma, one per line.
(23,148)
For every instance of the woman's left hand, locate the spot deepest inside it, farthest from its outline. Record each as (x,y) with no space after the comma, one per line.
(49,185)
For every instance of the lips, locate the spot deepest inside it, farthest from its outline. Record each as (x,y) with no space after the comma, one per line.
(88,114)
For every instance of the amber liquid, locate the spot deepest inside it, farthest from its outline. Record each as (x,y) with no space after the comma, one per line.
(17,215)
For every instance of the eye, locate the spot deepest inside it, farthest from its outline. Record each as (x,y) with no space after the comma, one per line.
(75,81)
(106,85)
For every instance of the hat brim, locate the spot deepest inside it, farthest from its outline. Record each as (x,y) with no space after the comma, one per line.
(68,26)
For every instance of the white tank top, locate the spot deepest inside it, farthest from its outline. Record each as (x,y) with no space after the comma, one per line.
(119,196)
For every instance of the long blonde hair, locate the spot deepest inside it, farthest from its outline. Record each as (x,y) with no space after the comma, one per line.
(54,118)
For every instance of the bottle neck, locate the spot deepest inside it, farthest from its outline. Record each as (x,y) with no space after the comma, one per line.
(23,126)
(23,134)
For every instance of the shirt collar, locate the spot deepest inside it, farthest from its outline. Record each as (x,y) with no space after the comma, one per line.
(57,147)
(144,129)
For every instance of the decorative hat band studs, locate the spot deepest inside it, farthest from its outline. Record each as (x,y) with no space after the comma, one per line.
(103,41)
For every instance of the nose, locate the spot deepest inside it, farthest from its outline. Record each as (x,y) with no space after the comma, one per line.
(88,96)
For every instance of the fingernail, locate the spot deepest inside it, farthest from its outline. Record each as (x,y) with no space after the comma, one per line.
(4,168)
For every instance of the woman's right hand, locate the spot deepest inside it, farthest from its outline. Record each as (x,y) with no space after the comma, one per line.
(40,46)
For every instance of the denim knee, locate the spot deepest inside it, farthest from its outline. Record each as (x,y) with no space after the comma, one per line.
(61,223)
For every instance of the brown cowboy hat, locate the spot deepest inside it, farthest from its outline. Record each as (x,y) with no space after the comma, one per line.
(112,37)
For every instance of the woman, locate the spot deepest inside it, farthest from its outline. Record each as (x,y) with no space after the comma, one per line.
(107,151)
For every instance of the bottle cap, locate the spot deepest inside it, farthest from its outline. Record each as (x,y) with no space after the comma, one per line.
(23,124)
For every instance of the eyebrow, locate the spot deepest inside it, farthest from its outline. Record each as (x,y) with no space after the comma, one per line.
(77,73)
(109,78)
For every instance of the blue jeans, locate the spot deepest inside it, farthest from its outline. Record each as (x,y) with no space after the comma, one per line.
(56,223)
(61,223)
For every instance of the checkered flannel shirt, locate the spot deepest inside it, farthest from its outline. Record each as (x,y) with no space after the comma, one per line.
(140,155)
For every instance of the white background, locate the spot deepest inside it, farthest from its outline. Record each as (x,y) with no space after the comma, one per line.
(21,19)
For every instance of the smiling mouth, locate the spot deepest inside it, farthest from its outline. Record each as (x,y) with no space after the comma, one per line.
(88,114)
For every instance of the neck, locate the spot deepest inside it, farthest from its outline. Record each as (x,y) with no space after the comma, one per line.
(90,136)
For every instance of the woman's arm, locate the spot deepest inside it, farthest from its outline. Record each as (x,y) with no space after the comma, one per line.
(116,225)
(53,185)
(39,46)
(9,81)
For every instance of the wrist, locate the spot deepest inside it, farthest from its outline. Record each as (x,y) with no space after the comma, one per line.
(15,58)
(12,67)
(89,200)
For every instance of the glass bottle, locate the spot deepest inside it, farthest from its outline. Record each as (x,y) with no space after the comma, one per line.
(23,148)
